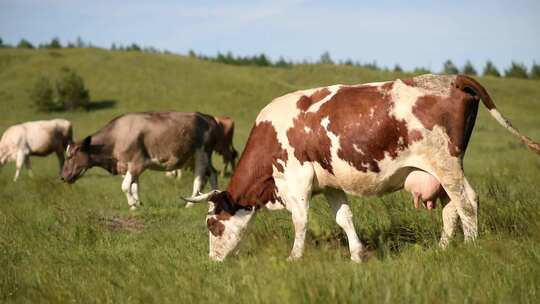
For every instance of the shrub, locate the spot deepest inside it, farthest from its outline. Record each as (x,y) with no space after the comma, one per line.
(71,91)
(535,71)
(469,69)
(450,68)
(42,94)
(491,70)
(398,69)
(25,44)
(421,70)
(516,70)
(326,59)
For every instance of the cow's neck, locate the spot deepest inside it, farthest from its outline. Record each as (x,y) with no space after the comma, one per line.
(102,156)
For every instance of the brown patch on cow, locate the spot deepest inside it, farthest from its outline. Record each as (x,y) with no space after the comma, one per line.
(252,184)
(215,226)
(360,116)
(452,113)
(306,101)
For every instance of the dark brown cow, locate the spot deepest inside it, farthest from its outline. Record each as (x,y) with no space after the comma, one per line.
(224,144)
(132,143)
(356,139)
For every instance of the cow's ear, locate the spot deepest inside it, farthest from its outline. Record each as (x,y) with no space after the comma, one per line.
(85,146)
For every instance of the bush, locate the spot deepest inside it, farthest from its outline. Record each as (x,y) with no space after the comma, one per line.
(326,59)
(450,68)
(71,91)
(535,71)
(398,69)
(516,70)
(469,69)
(25,44)
(42,94)
(491,70)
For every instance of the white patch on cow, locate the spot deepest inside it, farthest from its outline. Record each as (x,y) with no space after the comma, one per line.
(220,246)
(333,90)
(371,112)
(307,130)
(400,141)
(357,149)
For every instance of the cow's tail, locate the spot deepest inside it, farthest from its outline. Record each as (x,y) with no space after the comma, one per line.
(472,86)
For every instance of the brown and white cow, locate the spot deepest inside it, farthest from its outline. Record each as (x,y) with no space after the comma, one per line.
(132,143)
(356,139)
(35,138)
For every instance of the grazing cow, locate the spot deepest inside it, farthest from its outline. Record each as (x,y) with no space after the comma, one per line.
(35,138)
(425,187)
(356,139)
(132,143)
(224,146)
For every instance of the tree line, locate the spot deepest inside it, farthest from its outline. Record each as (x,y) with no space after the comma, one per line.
(515,70)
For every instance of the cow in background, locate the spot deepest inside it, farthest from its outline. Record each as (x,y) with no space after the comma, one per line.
(132,143)
(35,138)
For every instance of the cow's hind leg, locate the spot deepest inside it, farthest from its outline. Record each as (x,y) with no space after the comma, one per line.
(60,156)
(28,166)
(201,165)
(344,218)
(462,202)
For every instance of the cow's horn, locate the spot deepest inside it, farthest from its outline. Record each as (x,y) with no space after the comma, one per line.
(67,150)
(200,198)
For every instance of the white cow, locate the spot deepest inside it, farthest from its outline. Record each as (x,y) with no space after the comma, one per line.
(35,138)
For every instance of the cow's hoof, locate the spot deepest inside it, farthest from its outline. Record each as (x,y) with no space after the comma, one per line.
(133,208)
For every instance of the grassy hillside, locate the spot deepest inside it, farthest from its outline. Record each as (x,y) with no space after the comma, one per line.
(61,243)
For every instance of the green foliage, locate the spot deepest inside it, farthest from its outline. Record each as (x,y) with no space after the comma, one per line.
(42,95)
(54,44)
(325,58)
(491,70)
(516,70)
(468,69)
(535,71)
(79,243)
(421,70)
(398,69)
(25,44)
(71,92)
(133,47)
(449,67)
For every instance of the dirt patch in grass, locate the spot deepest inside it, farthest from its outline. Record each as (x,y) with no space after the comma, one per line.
(118,223)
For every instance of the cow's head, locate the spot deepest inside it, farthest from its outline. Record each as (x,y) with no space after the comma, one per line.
(77,160)
(225,221)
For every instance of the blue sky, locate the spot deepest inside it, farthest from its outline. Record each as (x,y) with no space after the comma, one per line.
(412,33)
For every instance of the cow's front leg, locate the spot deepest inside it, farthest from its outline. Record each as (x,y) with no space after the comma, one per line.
(344,218)
(201,164)
(135,192)
(126,188)
(299,212)
(19,161)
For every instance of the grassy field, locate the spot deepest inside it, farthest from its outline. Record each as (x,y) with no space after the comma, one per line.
(80,243)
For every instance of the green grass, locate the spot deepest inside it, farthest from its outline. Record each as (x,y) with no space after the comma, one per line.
(80,243)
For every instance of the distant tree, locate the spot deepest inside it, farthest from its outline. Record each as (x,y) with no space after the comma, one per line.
(3,44)
(133,47)
(70,45)
(25,44)
(54,44)
(113,46)
(398,69)
(421,70)
(491,70)
(42,94)
(535,71)
(191,53)
(372,66)
(449,67)
(71,91)
(516,70)
(348,62)
(282,63)
(325,58)
(469,69)
(79,43)
(262,60)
